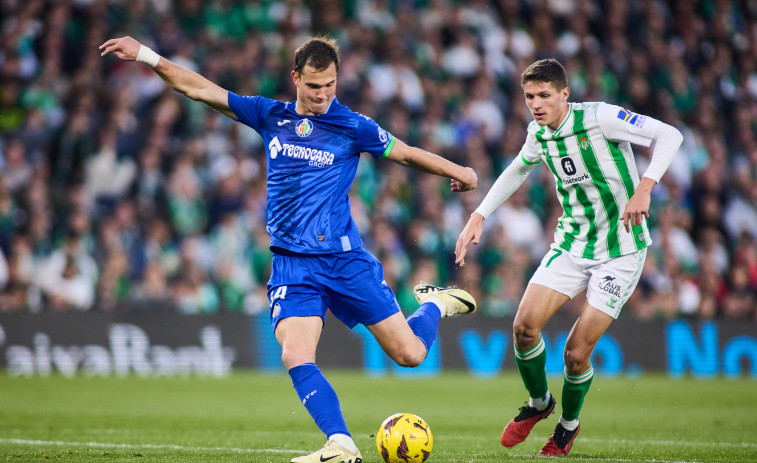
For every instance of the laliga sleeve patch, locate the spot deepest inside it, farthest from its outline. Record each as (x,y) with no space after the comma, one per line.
(631,118)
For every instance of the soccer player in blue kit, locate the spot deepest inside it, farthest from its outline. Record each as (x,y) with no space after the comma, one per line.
(312,148)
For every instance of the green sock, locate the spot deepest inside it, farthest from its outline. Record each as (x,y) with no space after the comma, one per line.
(574,389)
(532,367)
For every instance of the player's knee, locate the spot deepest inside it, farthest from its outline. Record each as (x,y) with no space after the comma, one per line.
(294,357)
(524,334)
(576,360)
(409,358)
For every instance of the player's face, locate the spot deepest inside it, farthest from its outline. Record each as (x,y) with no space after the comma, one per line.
(548,105)
(315,89)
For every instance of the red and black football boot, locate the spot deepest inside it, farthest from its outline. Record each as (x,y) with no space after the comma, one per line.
(560,443)
(519,427)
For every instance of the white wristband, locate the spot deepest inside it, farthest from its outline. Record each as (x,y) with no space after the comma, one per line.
(147,56)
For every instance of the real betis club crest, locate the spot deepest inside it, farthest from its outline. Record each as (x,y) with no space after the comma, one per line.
(583,142)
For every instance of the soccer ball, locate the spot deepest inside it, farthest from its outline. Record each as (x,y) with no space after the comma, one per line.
(404,438)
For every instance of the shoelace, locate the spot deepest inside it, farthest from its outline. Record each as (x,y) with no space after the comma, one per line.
(526,411)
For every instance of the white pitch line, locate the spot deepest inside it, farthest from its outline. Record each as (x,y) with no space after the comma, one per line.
(619,460)
(144,446)
(240,450)
(746,445)
(672,442)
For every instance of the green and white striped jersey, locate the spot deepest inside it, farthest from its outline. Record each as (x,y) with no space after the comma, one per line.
(595,173)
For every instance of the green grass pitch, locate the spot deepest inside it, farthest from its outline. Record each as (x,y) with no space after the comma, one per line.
(256,417)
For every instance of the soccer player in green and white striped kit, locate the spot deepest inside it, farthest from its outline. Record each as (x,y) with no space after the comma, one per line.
(600,241)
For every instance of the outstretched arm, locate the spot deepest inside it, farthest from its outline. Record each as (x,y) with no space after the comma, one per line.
(462,178)
(509,181)
(190,83)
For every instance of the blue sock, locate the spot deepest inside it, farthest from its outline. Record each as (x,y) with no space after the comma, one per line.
(319,398)
(425,323)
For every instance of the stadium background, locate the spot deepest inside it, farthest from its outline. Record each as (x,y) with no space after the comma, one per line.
(120,198)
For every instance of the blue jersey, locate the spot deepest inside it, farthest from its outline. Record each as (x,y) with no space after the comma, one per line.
(311,165)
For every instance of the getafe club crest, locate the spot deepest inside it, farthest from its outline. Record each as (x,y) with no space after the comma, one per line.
(304,128)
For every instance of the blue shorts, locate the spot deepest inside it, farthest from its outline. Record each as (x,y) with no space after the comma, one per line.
(350,283)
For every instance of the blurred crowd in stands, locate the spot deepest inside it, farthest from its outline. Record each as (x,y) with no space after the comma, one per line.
(117,193)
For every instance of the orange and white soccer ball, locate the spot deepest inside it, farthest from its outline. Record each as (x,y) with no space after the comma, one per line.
(404,438)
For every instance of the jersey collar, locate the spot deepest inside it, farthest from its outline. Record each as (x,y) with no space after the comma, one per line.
(567,117)
(292,106)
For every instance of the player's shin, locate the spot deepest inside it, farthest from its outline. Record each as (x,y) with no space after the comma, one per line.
(532,367)
(319,398)
(574,390)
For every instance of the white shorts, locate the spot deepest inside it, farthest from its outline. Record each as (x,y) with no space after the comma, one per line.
(608,282)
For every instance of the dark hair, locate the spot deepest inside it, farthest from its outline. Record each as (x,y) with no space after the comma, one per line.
(318,52)
(549,71)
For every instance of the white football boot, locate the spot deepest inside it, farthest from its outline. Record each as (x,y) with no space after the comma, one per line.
(332,452)
(455,300)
